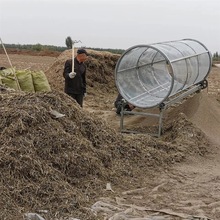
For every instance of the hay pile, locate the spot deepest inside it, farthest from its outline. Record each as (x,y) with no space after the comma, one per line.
(61,165)
(99,77)
(100,71)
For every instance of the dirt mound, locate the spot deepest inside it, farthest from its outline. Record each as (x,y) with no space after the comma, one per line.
(63,164)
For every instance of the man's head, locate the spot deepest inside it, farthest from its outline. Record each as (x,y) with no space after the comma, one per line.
(81,55)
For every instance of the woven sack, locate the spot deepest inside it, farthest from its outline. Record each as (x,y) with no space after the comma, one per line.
(8,78)
(40,82)
(25,80)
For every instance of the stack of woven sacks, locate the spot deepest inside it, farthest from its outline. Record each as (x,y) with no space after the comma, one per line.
(25,80)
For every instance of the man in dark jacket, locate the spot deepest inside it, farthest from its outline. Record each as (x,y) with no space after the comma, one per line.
(119,102)
(75,80)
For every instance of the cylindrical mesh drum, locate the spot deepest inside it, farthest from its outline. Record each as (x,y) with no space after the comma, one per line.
(147,75)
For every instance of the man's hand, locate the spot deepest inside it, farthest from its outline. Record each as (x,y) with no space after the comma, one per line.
(131,106)
(72,75)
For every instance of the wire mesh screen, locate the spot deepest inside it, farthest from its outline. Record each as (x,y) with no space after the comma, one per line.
(147,75)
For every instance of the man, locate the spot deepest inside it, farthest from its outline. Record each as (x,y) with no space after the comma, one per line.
(75,80)
(119,102)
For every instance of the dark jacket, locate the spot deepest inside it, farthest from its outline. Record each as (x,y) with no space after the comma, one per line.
(77,85)
(118,100)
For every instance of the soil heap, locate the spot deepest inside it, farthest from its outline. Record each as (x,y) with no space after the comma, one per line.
(63,164)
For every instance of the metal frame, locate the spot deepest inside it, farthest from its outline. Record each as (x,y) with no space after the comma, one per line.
(156,47)
(162,107)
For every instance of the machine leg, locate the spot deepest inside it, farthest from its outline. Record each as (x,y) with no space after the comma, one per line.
(122,118)
(160,123)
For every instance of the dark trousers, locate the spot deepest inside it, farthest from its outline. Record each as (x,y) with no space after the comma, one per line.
(78,98)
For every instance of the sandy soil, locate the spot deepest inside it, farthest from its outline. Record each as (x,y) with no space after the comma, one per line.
(186,190)
(190,190)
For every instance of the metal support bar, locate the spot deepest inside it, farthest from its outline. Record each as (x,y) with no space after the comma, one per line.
(160,122)
(188,57)
(162,107)
(183,95)
(123,113)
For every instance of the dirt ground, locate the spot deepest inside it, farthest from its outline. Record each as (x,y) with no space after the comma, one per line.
(179,180)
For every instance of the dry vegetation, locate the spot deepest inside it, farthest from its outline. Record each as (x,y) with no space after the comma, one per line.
(62,165)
